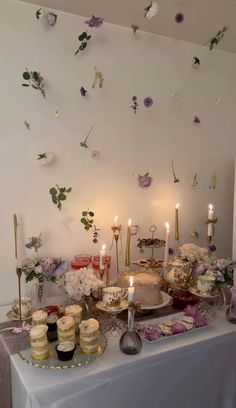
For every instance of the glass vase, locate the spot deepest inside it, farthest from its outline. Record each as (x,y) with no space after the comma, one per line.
(231,311)
(130,341)
(39,294)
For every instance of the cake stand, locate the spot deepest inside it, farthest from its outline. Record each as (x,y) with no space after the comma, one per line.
(112,327)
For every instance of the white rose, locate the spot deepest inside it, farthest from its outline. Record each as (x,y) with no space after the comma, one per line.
(151,10)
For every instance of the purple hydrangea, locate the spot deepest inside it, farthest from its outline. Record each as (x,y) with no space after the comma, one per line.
(194,312)
(148,102)
(212,248)
(179,18)
(94,22)
(171,251)
(152,333)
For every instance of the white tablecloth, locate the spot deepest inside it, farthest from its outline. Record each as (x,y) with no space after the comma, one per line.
(195,370)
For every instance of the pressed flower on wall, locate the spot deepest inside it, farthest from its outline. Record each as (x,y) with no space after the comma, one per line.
(27,125)
(213,181)
(194,234)
(94,22)
(83,38)
(148,102)
(151,10)
(45,158)
(34,243)
(35,80)
(95,234)
(84,143)
(98,79)
(56,113)
(176,97)
(58,194)
(195,181)
(217,101)
(196,120)
(83,91)
(214,41)
(176,180)
(196,62)
(135,28)
(50,17)
(95,154)
(39,13)
(179,18)
(87,219)
(135,103)
(145,180)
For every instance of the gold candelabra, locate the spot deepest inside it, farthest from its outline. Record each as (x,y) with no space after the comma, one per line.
(18,270)
(127,250)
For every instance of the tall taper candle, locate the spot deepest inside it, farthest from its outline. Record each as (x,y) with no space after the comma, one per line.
(210,226)
(127,252)
(131,289)
(15,224)
(167,225)
(102,255)
(177,222)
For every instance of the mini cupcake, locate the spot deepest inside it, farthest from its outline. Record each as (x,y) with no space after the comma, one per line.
(65,350)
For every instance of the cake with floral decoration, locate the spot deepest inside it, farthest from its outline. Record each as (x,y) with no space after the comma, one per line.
(89,336)
(147,287)
(66,329)
(39,342)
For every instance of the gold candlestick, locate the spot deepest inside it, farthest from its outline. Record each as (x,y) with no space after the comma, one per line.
(127,250)
(177,222)
(116,229)
(15,234)
(19,273)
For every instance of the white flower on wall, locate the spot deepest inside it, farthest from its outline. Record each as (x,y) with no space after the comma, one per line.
(151,10)
(45,158)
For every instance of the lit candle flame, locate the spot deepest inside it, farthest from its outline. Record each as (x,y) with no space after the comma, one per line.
(177,206)
(210,206)
(103,247)
(129,222)
(115,219)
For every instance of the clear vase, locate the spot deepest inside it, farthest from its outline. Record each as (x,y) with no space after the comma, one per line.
(130,341)
(38,294)
(87,306)
(231,311)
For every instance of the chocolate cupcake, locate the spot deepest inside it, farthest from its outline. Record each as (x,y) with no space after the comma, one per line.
(65,350)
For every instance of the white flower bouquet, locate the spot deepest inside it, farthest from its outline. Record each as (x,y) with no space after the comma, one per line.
(81,282)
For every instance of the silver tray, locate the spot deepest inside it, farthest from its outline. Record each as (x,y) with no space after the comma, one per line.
(79,359)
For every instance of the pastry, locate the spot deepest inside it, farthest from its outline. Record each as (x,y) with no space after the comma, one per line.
(39,317)
(66,329)
(39,342)
(65,350)
(75,312)
(89,336)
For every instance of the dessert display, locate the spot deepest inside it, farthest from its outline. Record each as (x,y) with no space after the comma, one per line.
(66,329)
(39,317)
(65,350)
(147,287)
(149,263)
(89,336)
(39,342)
(75,312)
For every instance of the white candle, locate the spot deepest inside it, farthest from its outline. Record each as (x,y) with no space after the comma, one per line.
(102,255)
(115,221)
(167,225)
(234,283)
(16,239)
(210,226)
(129,222)
(131,289)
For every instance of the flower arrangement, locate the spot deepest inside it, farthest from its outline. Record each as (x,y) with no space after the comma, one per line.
(192,253)
(40,268)
(81,282)
(219,268)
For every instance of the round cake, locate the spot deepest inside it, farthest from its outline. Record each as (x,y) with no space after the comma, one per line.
(147,287)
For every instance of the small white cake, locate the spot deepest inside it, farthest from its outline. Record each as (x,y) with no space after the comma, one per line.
(39,342)
(75,312)
(89,336)
(66,329)
(39,317)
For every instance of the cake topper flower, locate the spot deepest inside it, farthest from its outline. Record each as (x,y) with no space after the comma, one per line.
(94,22)
(148,102)
(98,78)
(151,10)
(214,41)
(179,18)
(135,28)
(45,158)
(145,180)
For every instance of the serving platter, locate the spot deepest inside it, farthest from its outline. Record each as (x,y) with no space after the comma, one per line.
(166,299)
(79,359)
(112,309)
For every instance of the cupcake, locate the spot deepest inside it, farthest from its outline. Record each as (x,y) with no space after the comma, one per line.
(65,350)
(39,342)
(89,336)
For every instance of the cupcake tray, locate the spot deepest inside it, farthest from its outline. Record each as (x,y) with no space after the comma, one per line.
(160,321)
(79,359)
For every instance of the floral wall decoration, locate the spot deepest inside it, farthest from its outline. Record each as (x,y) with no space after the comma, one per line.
(83,91)
(179,18)
(58,194)
(35,242)
(134,27)
(95,234)
(84,37)
(35,80)
(95,154)
(145,180)
(45,158)
(56,113)
(194,234)
(196,120)
(195,181)
(94,22)
(176,97)
(84,142)
(213,181)
(27,125)
(135,104)
(50,17)
(196,62)
(214,41)
(217,101)
(151,10)
(176,180)
(98,78)
(87,219)
(148,102)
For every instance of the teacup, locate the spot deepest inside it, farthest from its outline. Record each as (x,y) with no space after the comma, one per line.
(113,295)
(205,283)
(25,306)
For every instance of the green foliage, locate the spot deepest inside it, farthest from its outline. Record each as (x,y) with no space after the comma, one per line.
(83,38)
(214,41)
(39,13)
(58,194)
(86,219)
(35,80)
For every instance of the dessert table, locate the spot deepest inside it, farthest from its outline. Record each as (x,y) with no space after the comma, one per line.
(194,370)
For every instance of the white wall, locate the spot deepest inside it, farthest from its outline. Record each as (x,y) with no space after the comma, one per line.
(145,65)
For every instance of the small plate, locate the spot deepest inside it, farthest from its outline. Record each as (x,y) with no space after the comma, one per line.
(12,316)
(196,292)
(79,359)
(102,306)
(165,301)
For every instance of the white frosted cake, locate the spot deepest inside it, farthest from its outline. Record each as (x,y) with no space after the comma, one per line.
(39,317)
(75,312)
(39,342)
(147,287)
(89,336)
(66,329)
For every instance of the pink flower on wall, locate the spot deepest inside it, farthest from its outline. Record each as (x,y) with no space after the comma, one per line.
(145,180)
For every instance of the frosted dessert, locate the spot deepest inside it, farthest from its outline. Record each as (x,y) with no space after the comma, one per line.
(89,336)
(39,317)
(39,342)
(75,312)
(66,329)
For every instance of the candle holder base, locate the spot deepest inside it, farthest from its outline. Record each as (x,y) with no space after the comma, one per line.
(130,343)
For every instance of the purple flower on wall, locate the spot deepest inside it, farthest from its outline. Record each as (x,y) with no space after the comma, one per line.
(148,102)
(179,18)
(171,251)
(145,180)
(51,18)
(95,154)
(196,120)
(94,22)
